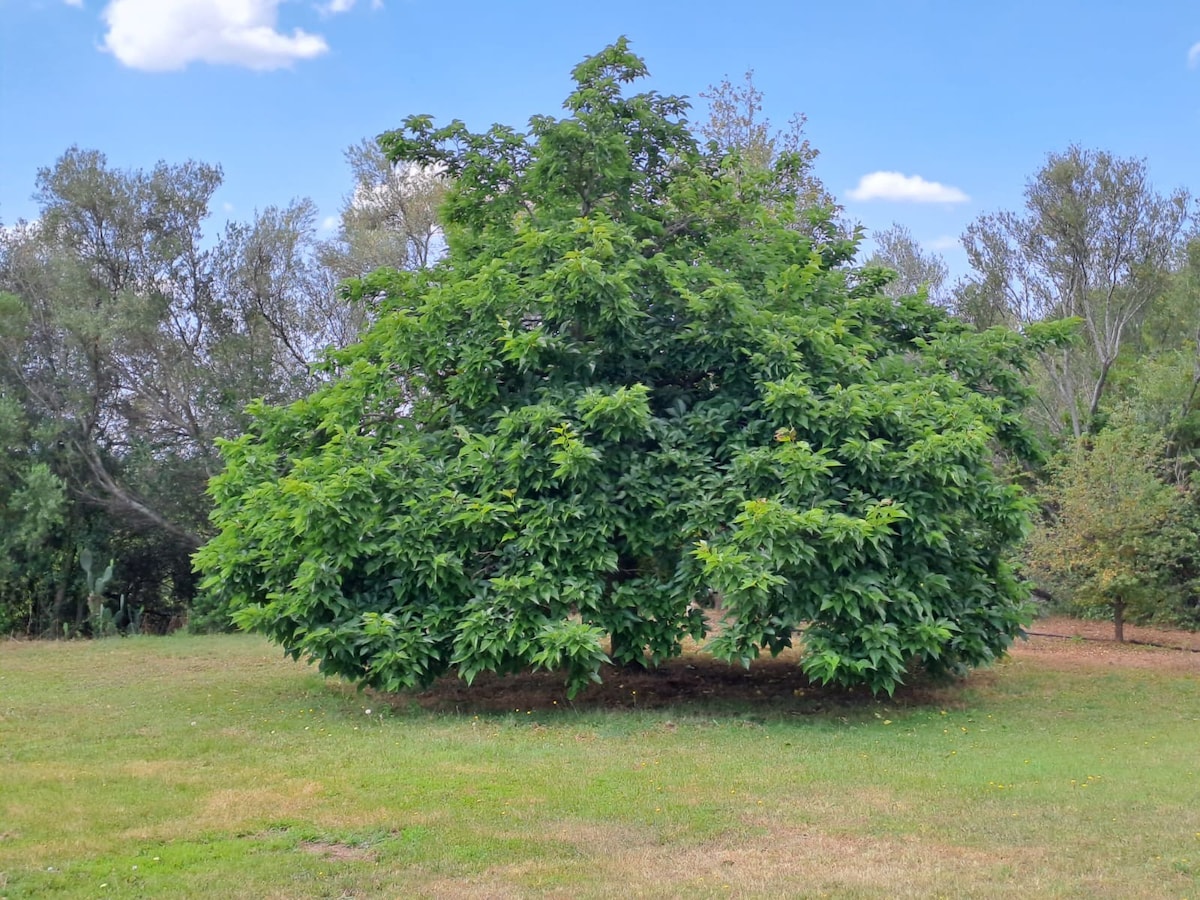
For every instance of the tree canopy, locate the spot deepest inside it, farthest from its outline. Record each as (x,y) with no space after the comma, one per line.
(1110,517)
(631,391)
(130,340)
(1094,243)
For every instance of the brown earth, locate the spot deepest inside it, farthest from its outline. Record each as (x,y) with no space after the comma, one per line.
(701,684)
(1103,631)
(1077,643)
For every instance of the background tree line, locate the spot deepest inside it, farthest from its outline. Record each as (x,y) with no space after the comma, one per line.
(1097,246)
(131,340)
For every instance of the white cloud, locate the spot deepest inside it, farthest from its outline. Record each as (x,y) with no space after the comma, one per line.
(1194,55)
(329,224)
(166,35)
(905,189)
(333,7)
(945,242)
(76,3)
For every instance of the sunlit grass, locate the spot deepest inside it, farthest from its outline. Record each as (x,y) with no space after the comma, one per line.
(212,767)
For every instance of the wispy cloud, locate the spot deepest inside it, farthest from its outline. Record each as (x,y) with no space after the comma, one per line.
(902,188)
(167,35)
(76,3)
(333,7)
(1194,55)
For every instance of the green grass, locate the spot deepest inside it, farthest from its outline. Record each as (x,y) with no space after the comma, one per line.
(212,767)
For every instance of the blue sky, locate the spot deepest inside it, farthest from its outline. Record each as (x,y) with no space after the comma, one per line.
(962,95)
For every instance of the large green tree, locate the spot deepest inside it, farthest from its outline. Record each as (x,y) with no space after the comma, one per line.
(632,389)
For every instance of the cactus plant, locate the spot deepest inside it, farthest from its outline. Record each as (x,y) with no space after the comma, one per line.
(96,584)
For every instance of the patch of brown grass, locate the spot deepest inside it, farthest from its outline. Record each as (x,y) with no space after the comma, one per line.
(168,771)
(337,851)
(765,859)
(228,809)
(1075,644)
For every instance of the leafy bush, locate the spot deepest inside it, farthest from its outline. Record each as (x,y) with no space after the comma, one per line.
(635,384)
(1117,536)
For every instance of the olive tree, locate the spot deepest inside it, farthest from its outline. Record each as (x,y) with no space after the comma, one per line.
(631,386)
(1094,243)
(129,340)
(916,269)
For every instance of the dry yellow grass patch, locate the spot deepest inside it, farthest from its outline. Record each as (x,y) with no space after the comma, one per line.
(768,860)
(288,800)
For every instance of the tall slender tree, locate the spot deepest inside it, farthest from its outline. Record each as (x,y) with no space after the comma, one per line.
(1093,243)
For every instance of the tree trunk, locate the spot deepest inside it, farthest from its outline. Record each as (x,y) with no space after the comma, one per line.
(58,613)
(121,498)
(1098,393)
(1119,620)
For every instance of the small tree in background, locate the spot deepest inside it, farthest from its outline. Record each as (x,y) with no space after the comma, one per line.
(1109,509)
(915,268)
(737,125)
(632,383)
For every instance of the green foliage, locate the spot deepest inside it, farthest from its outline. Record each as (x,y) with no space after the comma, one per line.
(96,584)
(33,504)
(632,386)
(101,618)
(1114,525)
(1094,242)
(129,340)
(1154,412)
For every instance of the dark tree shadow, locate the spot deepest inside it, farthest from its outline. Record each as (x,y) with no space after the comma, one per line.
(690,685)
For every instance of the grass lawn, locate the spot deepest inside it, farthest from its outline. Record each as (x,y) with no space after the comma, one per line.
(213,767)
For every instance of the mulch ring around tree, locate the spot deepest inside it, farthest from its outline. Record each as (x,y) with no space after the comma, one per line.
(774,686)
(696,682)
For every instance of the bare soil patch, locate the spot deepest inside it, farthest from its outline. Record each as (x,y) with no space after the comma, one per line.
(1077,643)
(693,680)
(778,685)
(336,850)
(1103,631)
